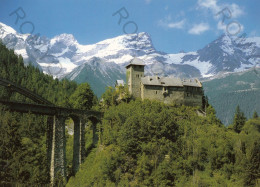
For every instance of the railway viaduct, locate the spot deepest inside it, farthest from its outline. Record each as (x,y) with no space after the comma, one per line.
(56,139)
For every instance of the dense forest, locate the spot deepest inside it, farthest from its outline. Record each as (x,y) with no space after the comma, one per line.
(23,136)
(226,92)
(146,143)
(141,143)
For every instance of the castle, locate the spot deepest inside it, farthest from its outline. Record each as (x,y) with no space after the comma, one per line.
(164,89)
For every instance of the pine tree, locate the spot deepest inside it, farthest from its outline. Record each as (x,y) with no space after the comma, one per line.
(255,115)
(253,167)
(205,101)
(239,120)
(83,97)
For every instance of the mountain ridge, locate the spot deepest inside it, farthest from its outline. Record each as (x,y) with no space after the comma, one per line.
(101,64)
(61,54)
(226,92)
(63,57)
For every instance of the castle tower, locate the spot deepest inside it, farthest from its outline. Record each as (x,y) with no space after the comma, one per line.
(134,73)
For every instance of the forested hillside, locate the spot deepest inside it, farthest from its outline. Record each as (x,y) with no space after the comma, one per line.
(141,143)
(12,68)
(23,136)
(151,144)
(226,92)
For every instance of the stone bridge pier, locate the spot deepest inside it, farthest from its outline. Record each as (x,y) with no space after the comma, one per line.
(78,144)
(56,147)
(56,144)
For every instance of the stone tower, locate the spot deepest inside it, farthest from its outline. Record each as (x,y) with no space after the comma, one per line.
(134,73)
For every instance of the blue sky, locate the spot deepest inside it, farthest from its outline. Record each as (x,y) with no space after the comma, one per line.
(174,25)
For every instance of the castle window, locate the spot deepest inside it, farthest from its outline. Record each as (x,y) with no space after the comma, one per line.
(155,92)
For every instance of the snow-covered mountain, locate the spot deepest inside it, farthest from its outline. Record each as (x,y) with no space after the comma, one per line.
(63,56)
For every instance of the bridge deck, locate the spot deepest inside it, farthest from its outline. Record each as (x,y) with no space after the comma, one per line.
(46,110)
(36,98)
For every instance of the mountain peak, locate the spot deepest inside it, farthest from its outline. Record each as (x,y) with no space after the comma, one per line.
(225,54)
(5,30)
(138,40)
(225,38)
(67,39)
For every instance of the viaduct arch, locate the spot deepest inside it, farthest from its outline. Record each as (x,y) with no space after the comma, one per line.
(56,139)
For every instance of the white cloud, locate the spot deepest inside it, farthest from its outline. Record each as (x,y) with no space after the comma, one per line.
(236,11)
(199,28)
(168,23)
(232,28)
(177,25)
(213,5)
(223,12)
(210,4)
(148,1)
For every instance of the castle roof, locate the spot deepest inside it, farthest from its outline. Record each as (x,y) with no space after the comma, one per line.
(161,81)
(120,83)
(136,61)
(169,81)
(192,82)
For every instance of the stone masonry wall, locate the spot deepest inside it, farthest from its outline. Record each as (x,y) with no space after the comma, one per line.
(168,95)
(134,75)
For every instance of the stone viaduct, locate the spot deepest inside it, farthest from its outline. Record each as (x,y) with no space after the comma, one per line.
(56,139)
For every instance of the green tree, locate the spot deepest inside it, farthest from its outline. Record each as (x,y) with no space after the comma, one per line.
(23,136)
(253,167)
(83,97)
(255,115)
(205,100)
(109,97)
(239,120)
